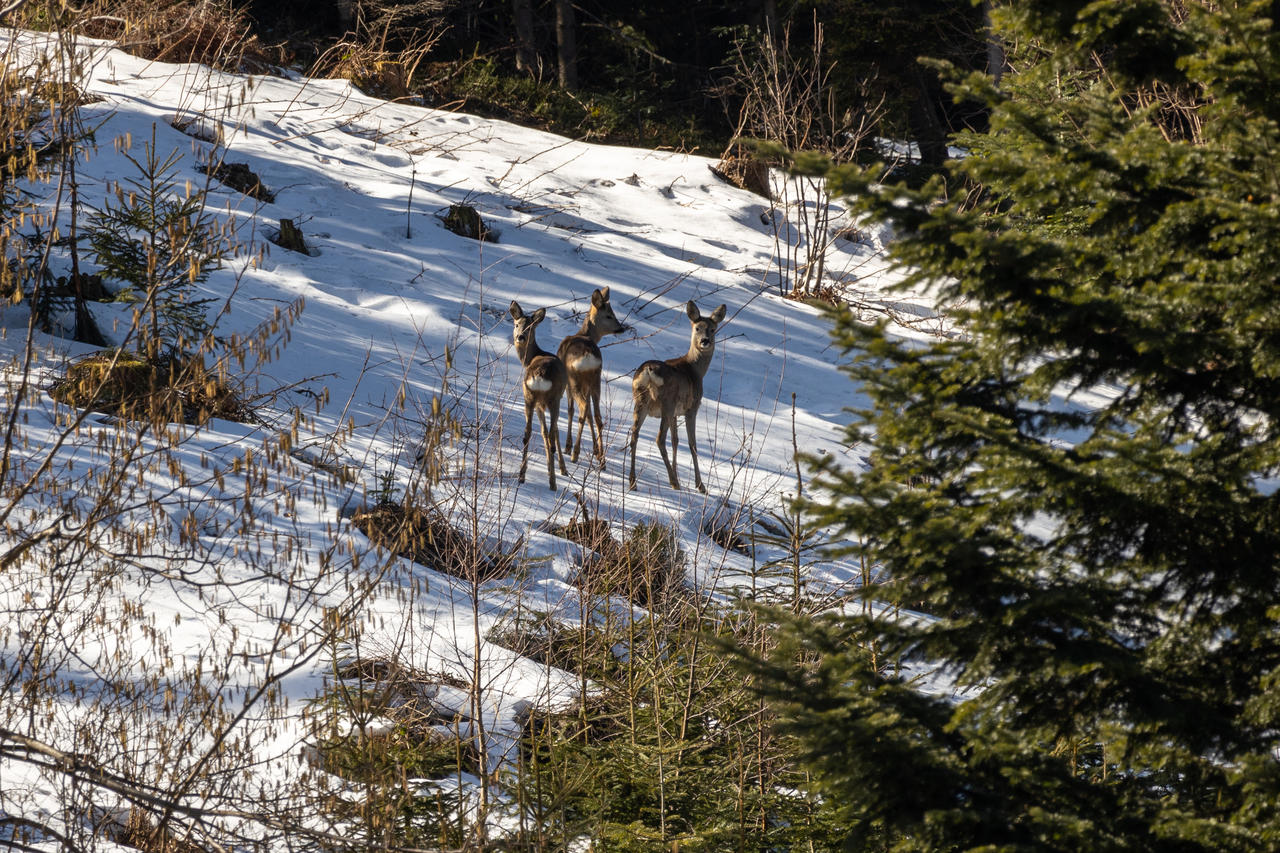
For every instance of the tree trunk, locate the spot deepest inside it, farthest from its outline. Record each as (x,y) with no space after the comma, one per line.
(995,47)
(769,18)
(566,44)
(346,13)
(86,329)
(527,61)
(927,126)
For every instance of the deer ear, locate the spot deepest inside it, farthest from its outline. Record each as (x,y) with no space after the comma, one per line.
(515,311)
(600,297)
(538,316)
(692,311)
(718,315)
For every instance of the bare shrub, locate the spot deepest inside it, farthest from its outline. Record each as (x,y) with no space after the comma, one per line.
(380,727)
(386,44)
(424,535)
(105,522)
(647,568)
(787,101)
(210,32)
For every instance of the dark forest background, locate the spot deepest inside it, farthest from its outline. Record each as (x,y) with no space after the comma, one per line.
(663,73)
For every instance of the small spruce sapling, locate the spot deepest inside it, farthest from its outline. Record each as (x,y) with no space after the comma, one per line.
(156,239)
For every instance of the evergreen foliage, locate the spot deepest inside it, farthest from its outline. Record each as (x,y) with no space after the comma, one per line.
(159,245)
(1080,487)
(671,750)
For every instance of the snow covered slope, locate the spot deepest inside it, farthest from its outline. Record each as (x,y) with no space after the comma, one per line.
(245,554)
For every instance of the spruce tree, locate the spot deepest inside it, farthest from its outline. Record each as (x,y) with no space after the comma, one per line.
(1080,485)
(156,239)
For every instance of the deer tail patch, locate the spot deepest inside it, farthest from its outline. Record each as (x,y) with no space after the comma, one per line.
(586,361)
(647,377)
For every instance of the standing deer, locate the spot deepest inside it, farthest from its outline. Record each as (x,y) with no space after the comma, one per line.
(674,387)
(581,356)
(543,382)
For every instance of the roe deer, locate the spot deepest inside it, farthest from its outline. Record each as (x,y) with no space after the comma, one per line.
(674,387)
(581,356)
(543,382)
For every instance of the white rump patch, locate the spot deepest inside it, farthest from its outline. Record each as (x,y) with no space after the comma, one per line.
(538,383)
(649,378)
(585,362)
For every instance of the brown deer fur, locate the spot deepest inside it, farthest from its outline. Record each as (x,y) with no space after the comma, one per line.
(665,389)
(581,356)
(543,382)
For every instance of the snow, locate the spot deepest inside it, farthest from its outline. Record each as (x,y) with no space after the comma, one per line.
(387,291)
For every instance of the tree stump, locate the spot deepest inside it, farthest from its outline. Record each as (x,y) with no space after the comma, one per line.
(464,221)
(291,237)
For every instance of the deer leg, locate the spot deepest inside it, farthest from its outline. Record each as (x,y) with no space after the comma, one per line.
(548,441)
(636,421)
(528,431)
(675,444)
(568,430)
(597,432)
(555,437)
(690,425)
(667,423)
(582,418)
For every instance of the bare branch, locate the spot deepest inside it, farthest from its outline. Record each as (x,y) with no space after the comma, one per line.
(13,7)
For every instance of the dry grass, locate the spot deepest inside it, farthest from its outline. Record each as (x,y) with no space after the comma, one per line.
(465,221)
(373,71)
(127,386)
(829,294)
(382,731)
(211,32)
(648,567)
(382,55)
(425,536)
(548,641)
(140,832)
(742,168)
